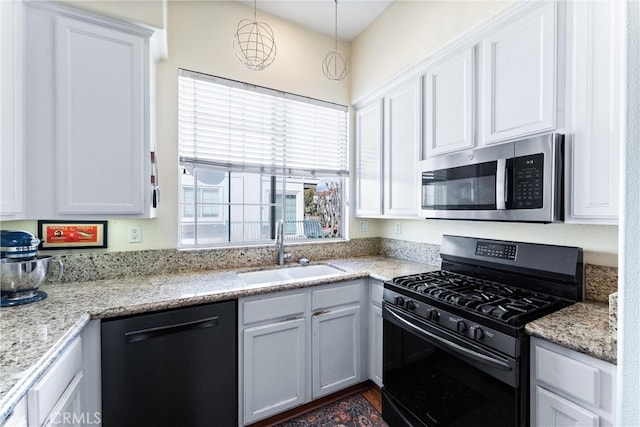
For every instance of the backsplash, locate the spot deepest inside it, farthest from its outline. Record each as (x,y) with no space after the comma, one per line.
(600,281)
(112,265)
(425,253)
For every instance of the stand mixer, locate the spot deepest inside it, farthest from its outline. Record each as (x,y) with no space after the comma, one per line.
(22,271)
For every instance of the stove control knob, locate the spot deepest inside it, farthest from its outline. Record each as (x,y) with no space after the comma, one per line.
(399,301)
(476,332)
(461,327)
(410,305)
(433,315)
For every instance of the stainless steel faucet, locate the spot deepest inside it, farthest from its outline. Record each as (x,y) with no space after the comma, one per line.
(280,243)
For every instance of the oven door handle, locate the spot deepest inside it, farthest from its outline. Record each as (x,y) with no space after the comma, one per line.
(482,358)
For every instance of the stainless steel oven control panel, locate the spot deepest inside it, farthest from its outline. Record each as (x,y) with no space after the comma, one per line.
(461,325)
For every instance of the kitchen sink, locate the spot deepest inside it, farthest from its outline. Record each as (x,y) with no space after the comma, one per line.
(290,274)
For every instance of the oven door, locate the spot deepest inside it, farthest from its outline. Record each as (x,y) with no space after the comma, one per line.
(433,377)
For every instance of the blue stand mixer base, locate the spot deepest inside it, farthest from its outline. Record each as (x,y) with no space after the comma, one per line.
(11,302)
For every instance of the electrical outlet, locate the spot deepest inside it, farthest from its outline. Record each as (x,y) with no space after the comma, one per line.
(363,226)
(135,234)
(398,228)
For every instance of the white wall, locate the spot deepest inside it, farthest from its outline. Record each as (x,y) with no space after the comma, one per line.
(406,33)
(146,12)
(628,403)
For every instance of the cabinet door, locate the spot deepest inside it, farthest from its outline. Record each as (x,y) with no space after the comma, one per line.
(45,397)
(403,131)
(596,58)
(11,153)
(69,409)
(369,159)
(519,76)
(335,349)
(100,75)
(450,99)
(554,411)
(274,374)
(375,344)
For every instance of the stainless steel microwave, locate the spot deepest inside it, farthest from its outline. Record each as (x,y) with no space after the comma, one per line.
(515,181)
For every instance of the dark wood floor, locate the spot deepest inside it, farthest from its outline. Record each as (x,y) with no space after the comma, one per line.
(374,396)
(368,389)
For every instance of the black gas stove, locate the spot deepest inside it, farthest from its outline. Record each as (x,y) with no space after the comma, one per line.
(460,331)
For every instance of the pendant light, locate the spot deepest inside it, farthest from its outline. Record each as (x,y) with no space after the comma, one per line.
(254,44)
(335,65)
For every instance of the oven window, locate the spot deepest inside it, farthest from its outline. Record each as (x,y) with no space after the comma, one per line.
(439,388)
(464,187)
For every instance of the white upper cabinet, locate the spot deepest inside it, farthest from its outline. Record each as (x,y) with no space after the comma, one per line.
(388,141)
(403,132)
(450,103)
(12,168)
(519,76)
(100,80)
(369,159)
(594,72)
(88,115)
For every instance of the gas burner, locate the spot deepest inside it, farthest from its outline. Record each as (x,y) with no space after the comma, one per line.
(487,298)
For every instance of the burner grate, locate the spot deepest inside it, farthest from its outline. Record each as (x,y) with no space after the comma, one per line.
(491,299)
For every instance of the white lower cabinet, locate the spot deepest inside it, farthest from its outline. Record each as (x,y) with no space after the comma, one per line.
(18,417)
(375,332)
(569,388)
(56,397)
(336,336)
(68,394)
(553,410)
(295,346)
(274,368)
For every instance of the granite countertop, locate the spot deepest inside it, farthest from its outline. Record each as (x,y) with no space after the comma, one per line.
(583,327)
(34,335)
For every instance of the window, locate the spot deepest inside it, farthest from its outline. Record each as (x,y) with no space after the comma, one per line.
(251,157)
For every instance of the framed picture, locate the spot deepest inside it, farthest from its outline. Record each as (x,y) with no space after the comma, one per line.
(72,234)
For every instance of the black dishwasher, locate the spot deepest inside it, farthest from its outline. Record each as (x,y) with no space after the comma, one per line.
(171,368)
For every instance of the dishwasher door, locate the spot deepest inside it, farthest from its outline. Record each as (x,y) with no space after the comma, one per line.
(171,368)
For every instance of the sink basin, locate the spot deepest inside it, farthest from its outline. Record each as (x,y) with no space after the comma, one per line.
(291,274)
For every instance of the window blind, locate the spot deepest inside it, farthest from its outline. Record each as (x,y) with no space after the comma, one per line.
(235,126)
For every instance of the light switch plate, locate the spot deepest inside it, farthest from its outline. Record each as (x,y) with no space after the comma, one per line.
(363,226)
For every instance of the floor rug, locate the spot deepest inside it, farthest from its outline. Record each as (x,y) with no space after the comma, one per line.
(351,411)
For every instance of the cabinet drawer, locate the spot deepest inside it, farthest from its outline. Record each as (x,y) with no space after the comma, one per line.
(276,307)
(568,375)
(344,294)
(44,396)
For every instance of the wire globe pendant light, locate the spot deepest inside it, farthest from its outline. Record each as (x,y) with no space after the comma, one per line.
(335,65)
(254,44)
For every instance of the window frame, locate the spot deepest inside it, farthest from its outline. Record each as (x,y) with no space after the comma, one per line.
(225,210)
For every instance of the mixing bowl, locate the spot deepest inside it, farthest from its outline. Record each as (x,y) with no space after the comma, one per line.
(20,276)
